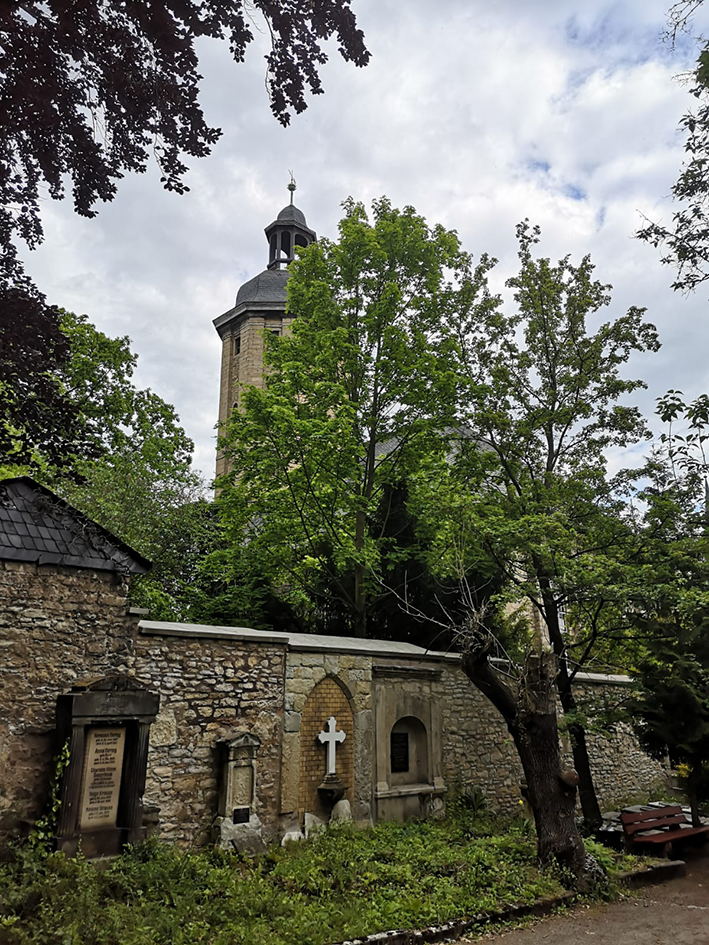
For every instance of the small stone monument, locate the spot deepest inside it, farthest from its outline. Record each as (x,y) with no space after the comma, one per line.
(107,724)
(238,826)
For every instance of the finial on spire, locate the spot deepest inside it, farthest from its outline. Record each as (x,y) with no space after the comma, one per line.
(291,186)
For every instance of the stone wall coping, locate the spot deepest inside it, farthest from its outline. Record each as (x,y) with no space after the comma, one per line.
(200,631)
(297,642)
(313,642)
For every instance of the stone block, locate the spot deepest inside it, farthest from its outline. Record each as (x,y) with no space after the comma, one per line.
(164,729)
(244,838)
(291,722)
(292,836)
(313,824)
(341,812)
(290,771)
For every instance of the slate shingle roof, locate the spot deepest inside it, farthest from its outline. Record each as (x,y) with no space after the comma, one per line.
(36,525)
(267,286)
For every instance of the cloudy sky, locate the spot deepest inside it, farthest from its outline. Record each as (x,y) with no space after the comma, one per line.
(478,114)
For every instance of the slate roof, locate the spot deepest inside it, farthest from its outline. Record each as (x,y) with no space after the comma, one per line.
(36,525)
(267,286)
(291,214)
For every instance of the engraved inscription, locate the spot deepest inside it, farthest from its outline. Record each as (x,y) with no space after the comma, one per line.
(241,786)
(101,783)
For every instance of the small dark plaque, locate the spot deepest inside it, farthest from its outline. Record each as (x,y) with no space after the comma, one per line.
(241,815)
(399,752)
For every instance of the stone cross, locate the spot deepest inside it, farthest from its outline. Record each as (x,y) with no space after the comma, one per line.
(330,737)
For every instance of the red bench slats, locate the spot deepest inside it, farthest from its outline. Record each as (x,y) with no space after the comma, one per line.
(658,825)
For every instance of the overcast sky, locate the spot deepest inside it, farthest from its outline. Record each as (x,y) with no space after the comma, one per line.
(478,114)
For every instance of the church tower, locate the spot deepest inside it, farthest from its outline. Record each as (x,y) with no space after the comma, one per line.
(260,307)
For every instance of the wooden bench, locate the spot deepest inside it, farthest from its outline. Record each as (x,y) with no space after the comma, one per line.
(657,825)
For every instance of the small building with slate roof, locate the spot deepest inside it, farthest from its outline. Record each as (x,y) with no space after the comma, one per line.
(37,526)
(63,617)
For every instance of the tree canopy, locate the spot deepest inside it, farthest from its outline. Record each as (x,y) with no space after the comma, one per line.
(125,462)
(354,399)
(540,403)
(93,90)
(684,240)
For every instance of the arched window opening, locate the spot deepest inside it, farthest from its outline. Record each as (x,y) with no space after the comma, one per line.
(300,241)
(273,248)
(285,244)
(408,752)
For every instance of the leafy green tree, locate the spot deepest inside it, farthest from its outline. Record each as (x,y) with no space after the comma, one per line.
(684,240)
(354,398)
(128,466)
(38,421)
(542,396)
(670,710)
(90,92)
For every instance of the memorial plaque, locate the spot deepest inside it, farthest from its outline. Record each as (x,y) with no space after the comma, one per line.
(101,782)
(241,786)
(399,752)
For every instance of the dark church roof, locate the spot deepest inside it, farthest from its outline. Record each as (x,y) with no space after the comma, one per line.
(36,525)
(291,214)
(267,286)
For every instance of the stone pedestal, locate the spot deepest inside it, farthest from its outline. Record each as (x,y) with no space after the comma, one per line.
(107,723)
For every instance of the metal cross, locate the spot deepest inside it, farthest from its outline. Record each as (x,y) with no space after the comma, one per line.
(330,737)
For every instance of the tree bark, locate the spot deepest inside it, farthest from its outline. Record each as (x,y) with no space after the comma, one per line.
(693,793)
(529,710)
(590,808)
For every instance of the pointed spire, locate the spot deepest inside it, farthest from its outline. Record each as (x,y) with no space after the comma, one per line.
(291,187)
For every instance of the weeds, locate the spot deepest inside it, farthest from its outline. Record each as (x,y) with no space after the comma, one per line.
(345,883)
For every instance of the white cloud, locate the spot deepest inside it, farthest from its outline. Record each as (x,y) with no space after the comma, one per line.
(478,115)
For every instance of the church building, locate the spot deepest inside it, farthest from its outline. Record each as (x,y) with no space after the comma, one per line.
(260,307)
(229,734)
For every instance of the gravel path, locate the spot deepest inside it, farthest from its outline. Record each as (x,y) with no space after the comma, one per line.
(673,913)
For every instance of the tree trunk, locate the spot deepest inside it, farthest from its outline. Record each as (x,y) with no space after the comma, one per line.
(360,575)
(693,781)
(590,808)
(529,710)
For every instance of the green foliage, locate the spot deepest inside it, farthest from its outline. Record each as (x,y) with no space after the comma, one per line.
(44,830)
(131,468)
(345,883)
(471,800)
(355,399)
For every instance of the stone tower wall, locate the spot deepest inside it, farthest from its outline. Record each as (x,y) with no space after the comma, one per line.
(246,367)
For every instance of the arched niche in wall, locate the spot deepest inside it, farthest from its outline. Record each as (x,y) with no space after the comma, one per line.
(328,698)
(408,752)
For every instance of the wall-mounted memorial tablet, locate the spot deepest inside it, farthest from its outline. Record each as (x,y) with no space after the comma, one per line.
(106,722)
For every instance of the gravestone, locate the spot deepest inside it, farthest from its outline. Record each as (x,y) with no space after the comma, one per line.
(106,723)
(237,825)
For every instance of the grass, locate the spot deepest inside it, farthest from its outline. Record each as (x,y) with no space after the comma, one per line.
(342,884)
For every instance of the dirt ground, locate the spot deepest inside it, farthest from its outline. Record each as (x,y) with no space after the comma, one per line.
(673,913)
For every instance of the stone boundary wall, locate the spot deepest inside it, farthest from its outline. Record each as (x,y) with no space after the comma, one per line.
(622,771)
(209,689)
(478,750)
(57,625)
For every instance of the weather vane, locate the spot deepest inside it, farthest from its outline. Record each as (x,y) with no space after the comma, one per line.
(291,186)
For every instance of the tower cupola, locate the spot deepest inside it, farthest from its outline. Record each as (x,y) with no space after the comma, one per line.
(288,230)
